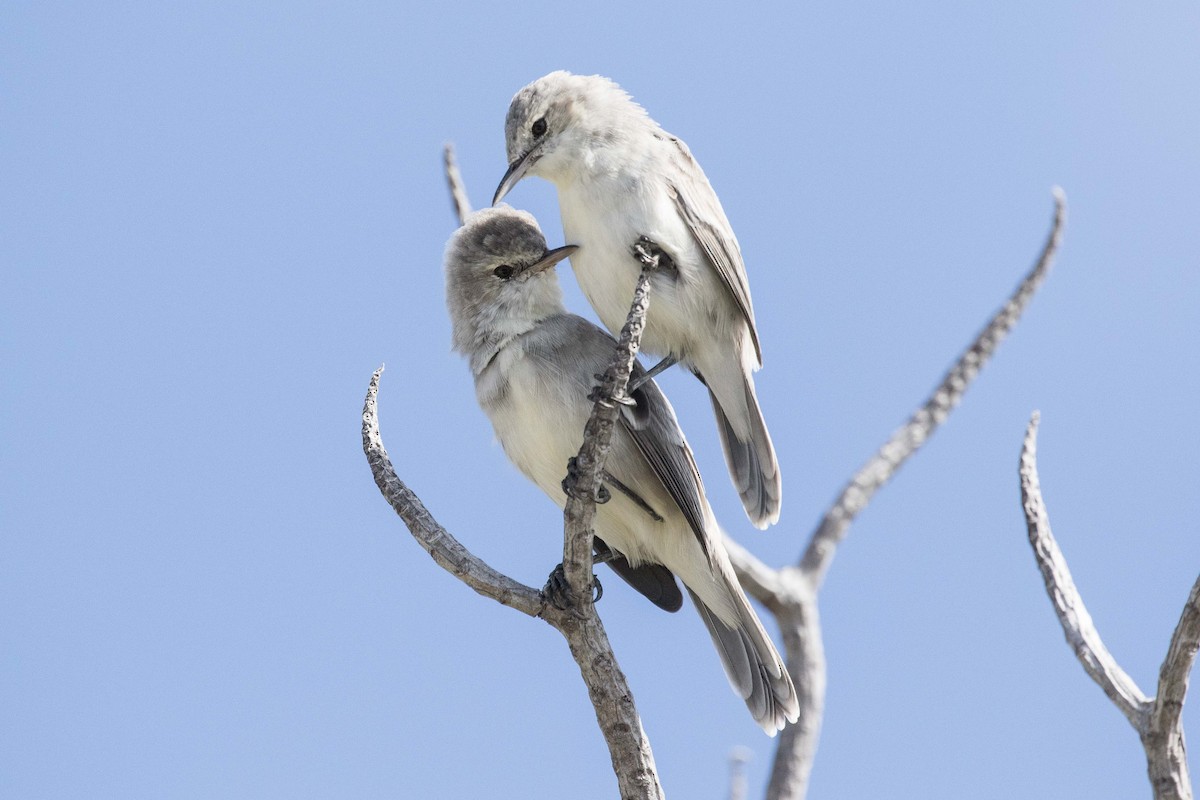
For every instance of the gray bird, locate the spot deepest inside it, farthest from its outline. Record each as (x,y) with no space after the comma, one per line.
(534,367)
(621,178)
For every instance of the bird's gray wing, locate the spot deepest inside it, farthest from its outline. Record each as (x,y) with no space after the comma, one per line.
(701,210)
(574,350)
(652,425)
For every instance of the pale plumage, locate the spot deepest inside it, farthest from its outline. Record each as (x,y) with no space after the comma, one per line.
(534,366)
(621,177)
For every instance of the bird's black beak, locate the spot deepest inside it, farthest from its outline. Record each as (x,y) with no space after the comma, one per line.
(551,258)
(516,171)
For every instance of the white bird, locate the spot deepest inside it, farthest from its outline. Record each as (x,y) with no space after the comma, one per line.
(621,178)
(534,366)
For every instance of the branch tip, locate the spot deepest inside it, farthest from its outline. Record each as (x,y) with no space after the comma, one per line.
(1077,625)
(447,551)
(458,192)
(910,437)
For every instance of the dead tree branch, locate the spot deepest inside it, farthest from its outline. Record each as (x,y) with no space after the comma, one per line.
(447,551)
(1156,720)
(880,468)
(580,511)
(791,593)
(1068,605)
(612,699)
(633,761)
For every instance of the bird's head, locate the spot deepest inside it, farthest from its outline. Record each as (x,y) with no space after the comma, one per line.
(554,123)
(499,277)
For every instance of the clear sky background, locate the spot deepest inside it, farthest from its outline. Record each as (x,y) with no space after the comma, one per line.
(216,221)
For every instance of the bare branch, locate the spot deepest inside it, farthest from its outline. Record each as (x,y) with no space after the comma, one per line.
(791,593)
(1173,677)
(445,549)
(632,759)
(580,511)
(1163,738)
(738,787)
(800,624)
(458,192)
(1072,614)
(612,700)
(1157,721)
(908,439)
(763,583)
(1166,763)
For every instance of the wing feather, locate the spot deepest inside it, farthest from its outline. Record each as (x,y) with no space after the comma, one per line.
(699,207)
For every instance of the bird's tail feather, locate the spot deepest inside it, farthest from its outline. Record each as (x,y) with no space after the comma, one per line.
(753,665)
(749,453)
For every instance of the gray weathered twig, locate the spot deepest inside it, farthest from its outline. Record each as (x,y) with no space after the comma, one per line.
(632,759)
(580,510)
(458,192)
(1076,622)
(445,549)
(909,438)
(791,592)
(1156,720)
(612,699)
(738,787)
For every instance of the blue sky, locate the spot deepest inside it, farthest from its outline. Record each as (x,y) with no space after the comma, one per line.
(216,221)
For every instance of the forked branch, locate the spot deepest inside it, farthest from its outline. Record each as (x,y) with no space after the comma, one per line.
(1157,720)
(791,592)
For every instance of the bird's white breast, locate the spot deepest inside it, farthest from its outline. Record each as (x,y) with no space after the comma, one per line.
(605,214)
(538,426)
(539,416)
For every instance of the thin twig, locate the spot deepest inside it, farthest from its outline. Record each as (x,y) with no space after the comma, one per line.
(800,625)
(437,541)
(1157,721)
(1166,753)
(632,759)
(458,192)
(908,439)
(1177,666)
(738,786)
(580,510)
(1072,614)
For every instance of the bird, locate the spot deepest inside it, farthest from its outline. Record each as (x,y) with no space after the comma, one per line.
(534,367)
(621,178)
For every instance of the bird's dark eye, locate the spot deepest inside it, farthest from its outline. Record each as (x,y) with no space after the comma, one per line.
(539,127)
(503,272)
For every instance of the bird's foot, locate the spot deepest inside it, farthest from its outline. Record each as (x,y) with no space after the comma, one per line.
(597,394)
(651,255)
(558,592)
(570,484)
